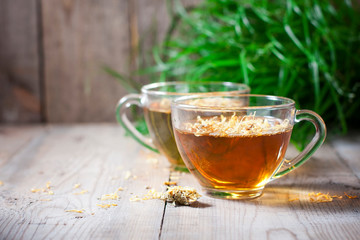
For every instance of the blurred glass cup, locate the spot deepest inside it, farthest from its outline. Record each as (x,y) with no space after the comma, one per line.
(155,100)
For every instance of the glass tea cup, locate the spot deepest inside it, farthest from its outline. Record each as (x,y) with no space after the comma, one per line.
(155,100)
(235,145)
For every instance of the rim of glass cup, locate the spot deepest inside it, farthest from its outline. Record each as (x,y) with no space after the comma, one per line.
(286,102)
(150,88)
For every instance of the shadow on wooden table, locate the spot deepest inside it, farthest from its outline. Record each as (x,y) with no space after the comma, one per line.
(300,198)
(321,178)
(199,204)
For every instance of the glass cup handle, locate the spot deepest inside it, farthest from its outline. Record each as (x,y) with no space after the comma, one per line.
(314,144)
(124,103)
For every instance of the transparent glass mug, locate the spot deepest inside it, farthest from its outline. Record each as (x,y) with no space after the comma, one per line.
(155,100)
(235,145)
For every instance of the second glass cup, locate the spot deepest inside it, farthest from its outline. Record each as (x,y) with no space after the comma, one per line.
(155,99)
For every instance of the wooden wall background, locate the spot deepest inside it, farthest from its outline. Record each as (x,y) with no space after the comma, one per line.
(52,53)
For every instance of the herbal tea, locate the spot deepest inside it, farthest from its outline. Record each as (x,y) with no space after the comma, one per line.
(158,118)
(234,153)
(155,99)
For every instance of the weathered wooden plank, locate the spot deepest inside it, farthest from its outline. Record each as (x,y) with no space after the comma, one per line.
(80,37)
(98,158)
(275,215)
(348,149)
(150,21)
(19,62)
(14,139)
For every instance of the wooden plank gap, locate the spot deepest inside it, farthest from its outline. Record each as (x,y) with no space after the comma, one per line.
(19,91)
(164,210)
(162,220)
(41,60)
(134,34)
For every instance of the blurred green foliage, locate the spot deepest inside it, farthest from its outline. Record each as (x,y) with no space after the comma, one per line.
(307,50)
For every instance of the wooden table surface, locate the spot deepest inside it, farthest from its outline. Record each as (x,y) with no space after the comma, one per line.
(73,166)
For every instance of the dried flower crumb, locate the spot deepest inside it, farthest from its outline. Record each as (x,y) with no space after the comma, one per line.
(1,183)
(106,205)
(320,197)
(170,183)
(294,199)
(111,196)
(45,190)
(35,190)
(337,196)
(350,196)
(81,192)
(77,185)
(135,199)
(45,200)
(152,194)
(127,175)
(50,192)
(75,210)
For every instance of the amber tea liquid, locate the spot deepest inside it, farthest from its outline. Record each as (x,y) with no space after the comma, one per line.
(233,162)
(158,120)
